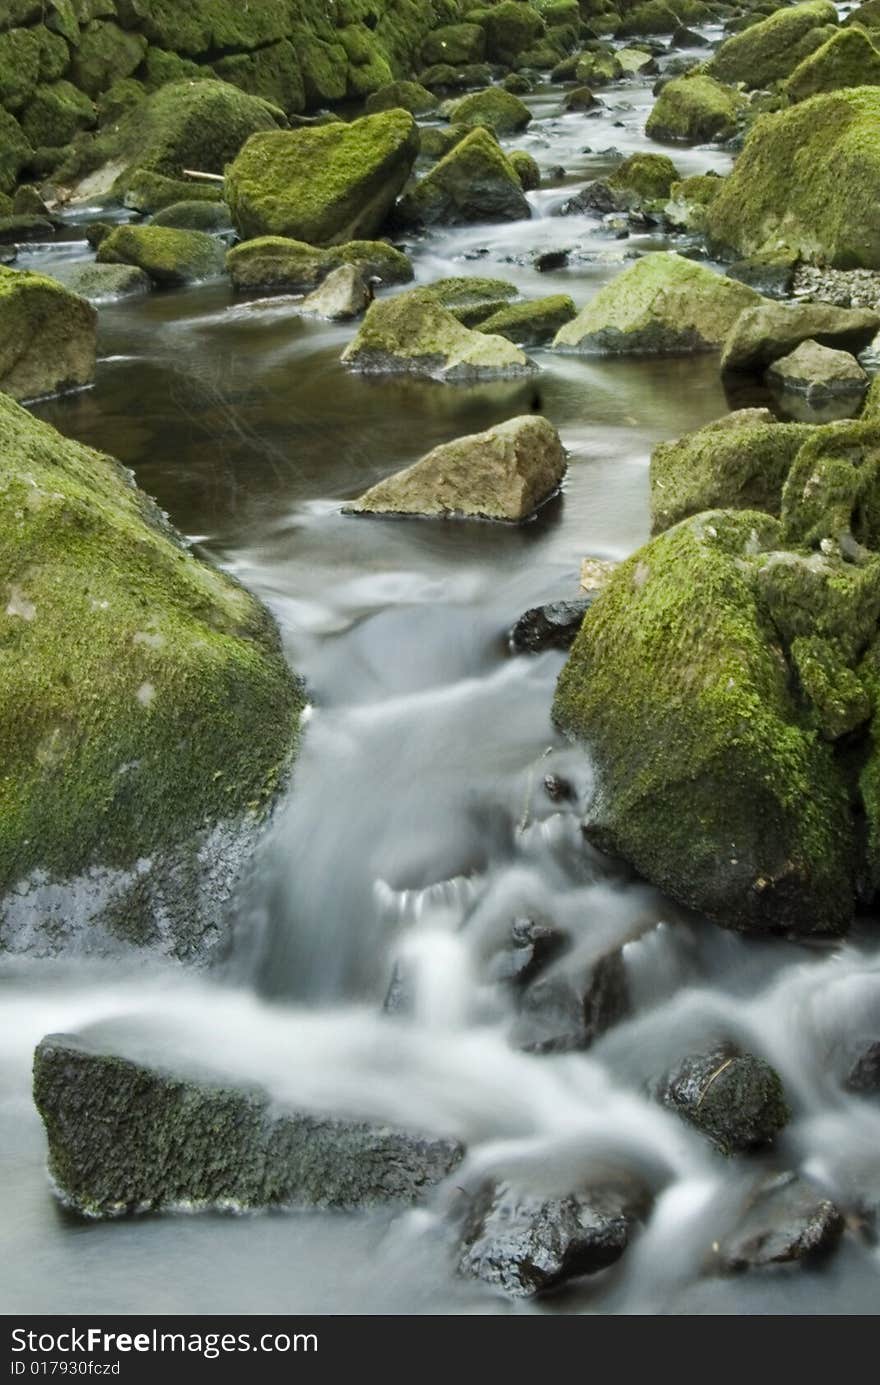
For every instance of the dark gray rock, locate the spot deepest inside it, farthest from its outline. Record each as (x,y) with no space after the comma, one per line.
(125,1137)
(571,1007)
(736,1099)
(549,260)
(533,945)
(787,1220)
(549,627)
(864,1075)
(771,274)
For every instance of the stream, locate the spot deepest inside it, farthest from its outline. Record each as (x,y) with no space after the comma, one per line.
(417,827)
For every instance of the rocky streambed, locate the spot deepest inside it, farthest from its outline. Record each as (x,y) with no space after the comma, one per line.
(463,1056)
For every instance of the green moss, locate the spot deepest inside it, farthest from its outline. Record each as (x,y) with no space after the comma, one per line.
(272,73)
(207,26)
(105,53)
(324,68)
(324,185)
(469,290)
(768,51)
(598,69)
(848,59)
(833,691)
(161,67)
(527,169)
(435,141)
(833,490)
(144,695)
(148,192)
(455,44)
(273,263)
(20,63)
(47,336)
(689,200)
(808,178)
(652,17)
(493,109)
(649,176)
(15,150)
(56,113)
(402,96)
(695,109)
(119,99)
(170,257)
(534,323)
(475,181)
(712,782)
(510,28)
(194,216)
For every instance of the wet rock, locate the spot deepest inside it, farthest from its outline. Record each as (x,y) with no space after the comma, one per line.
(533,323)
(15,230)
(771,274)
(414,334)
(475,181)
(454,45)
(695,109)
(736,1099)
(634,62)
(47,336)
(688,204)
(127,1137)
(343,295)
(276,263)
(661,305)
(553,626)
(505,473)
(550,260)
(688,38)
(324,185)
(641,179)
(149,193)
(818,373)
(559,790)
(443,77)
(765,332)
(787,1220)
(493,109)
(864,1075)
(524,1242)
(532,946)
(171,258)
(103,283)
(569,1008)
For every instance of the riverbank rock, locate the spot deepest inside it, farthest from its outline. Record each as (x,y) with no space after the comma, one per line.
(170,258)
(278,264)
(765,332)
(533,323)
(694,110)
(413,334)
(787,1220)
(740,462)
(324,184)
(125,1136)
(711,780)
(808,178)
(147,712)
(642,179)
(505,473)
(47,336)
(553,626)
(769,50)
(661,305)
(847,59)
(734,1098)
(475,181)
(343,295)
(494,109)
(818,373)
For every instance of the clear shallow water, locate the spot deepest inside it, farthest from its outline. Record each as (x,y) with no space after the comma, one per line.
(417,826)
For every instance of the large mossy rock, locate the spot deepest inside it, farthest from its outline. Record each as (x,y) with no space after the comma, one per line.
(128,1136)
(47,336)
(276,263)
(511,28)
(809,179)
(147,712)
(505,473)
(474,182)
(694,110)
(768,51)
(532,323)
(56,114)
(712,780)
(493,109)
(326,184)
(170,257)
(415,334)
(662,305)
(15,151)
(766,331)
(848,59)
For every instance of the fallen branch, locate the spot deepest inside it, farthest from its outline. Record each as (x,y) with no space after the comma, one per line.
(211,177)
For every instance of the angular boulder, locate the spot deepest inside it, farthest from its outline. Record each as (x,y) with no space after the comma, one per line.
(475,181)
(662,305)
(279,264)
(505,473)
(323,184)
(765,332)
(786,1220)
(769,50)
(818,373)
(170,258)
(125,1137)
(694,110)
(47,336)
(343,295)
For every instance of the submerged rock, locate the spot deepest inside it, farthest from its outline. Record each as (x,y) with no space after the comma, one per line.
(505,473)
(532,946)
(570,1007)
(127,1137)
(280,264)
(47,336)
(326,184)
(818,373)
(661,305)
(787,1220)
(553,626)
(103,283)
(734,1098)
(414,334)
(171,258)
(767,331)
(475,181)
(695,109)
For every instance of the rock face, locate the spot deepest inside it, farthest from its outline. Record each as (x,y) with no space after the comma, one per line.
(734,1098)
(171,258)
(125,1137)
(661,305)
(818,373)
(524,1242)
(414,334)
(147,712)
(505,473)
(766,332)
(276,263)
(47,336)
(787,1220)
(710,778)
(694,110)
(847,59)
(475,181)
(769,50)
(323,184)
(808,178)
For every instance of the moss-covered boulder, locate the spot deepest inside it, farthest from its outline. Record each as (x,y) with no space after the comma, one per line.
(127,1136)
(148,713)
(414,334)
(848,59)
(740,462)
(689,201)
(766,331)
(736,1099)
(534,323)
(149,193)
(171,258)
(662,305)
(505,473)
(195,216)
(273,73)
(768,51)
(527,169)
(104,54)
(493,109)
(472,297)
(28,57)
(56,114)
(326,184)
(435,141)
(511,28)
(475,181)
(598,69)
(648,176)
(712,781)
(206,26)
(103,283)
(832,494)
(47,336)
(274,263)
(455,44)
(694,110)
(15,151)
(402,96)
(650,17)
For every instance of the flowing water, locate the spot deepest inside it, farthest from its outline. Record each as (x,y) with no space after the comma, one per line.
(417,826)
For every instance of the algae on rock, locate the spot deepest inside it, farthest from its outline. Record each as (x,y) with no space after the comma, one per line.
(47,336)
